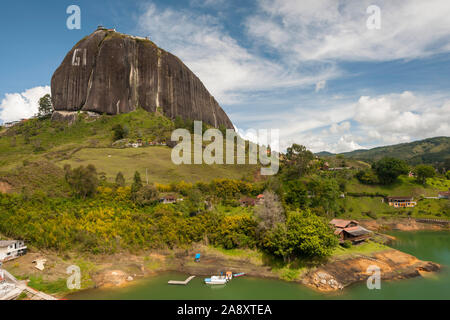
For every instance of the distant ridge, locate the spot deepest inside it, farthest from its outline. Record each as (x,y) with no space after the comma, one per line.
(431,151)
(324,154)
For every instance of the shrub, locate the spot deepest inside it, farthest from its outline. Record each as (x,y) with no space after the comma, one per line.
(137,183)
(347,244)
(120,180)
(82,180)
(423,172)
(388,169)
(146,195)
(119,132)
(236,232)
(371,214)
(303,234)
(367,177)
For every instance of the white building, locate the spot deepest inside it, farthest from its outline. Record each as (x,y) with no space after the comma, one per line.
(10,249)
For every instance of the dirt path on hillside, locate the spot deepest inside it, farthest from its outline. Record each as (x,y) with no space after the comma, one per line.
(5,187)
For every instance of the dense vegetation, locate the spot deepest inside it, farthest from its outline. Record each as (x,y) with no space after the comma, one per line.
(113,219)
(78,187)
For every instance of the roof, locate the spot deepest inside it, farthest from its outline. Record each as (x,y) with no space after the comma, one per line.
(247,199)
(341,223)
(357,231)
(400,198)
(260,196)
(444,193)
(6,243)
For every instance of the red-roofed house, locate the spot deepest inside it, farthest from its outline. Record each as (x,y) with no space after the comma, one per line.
(341,223)
(260,199)
(350,230)
(401,202)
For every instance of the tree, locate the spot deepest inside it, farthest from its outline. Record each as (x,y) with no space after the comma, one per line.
(137,183)
(325,194)
(270,213)
(367,176)
(146,195)
(82,180)
(119,131)
(423,171)
(388,169)
(236,231)
(298,160)
(195,201)
(45,106)
(120,180)
(303,235)
(296,194)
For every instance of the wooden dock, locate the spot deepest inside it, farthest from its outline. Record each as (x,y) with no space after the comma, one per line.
(185,282)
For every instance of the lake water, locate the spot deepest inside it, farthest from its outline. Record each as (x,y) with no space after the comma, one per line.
(425,245)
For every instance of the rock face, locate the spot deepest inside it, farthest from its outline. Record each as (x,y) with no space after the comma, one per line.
(393,264)
(110,72)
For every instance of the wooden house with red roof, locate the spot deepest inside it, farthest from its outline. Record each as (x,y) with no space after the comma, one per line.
(350,230)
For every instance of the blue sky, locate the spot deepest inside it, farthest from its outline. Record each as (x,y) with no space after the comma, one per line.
(312,69)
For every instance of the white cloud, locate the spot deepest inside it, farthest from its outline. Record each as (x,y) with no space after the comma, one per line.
(16,106)
(229,70)
(306,41)
(321,85)
(336,30)
(396,118)
(340,128)
(366,122)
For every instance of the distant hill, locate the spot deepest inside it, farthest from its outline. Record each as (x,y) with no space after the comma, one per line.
(324,154)
(431,151)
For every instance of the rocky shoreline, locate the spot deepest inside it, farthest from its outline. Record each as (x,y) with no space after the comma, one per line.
(406,224)
(122,269)
(334,275)
(340,273)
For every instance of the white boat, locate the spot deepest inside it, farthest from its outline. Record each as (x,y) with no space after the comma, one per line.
(216,280)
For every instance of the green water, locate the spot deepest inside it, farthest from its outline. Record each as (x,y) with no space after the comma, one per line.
(426,245)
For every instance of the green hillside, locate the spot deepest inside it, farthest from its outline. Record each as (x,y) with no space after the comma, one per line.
(90,141)
(366,201)
(431,151)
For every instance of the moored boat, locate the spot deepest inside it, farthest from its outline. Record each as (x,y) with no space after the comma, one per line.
(216,280)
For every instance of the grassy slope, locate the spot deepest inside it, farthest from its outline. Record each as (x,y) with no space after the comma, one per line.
(156,160)
(357,207)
